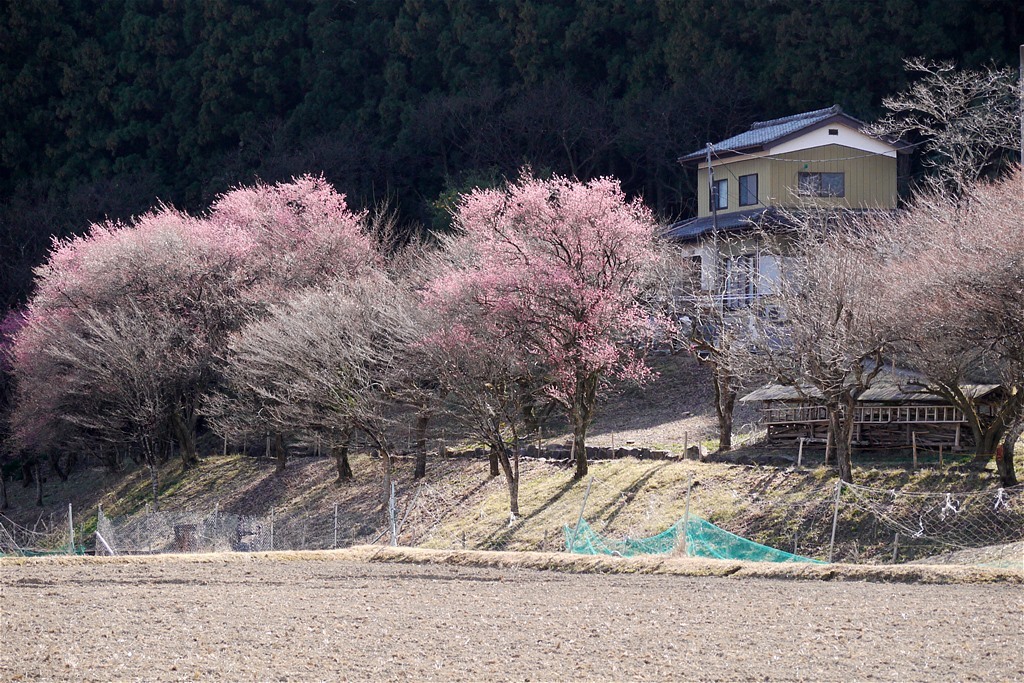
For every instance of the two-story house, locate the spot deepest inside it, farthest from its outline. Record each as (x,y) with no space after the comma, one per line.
(820,158)
(748,185)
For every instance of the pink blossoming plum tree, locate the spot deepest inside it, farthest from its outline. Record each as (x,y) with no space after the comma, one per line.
(194,280)
(556,266)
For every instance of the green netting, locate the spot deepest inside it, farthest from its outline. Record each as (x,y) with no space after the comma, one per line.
(703,539)
(24,552)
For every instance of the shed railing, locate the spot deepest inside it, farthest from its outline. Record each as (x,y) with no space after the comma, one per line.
(906,414)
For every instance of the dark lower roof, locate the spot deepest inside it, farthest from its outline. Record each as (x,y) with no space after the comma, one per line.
(736,221)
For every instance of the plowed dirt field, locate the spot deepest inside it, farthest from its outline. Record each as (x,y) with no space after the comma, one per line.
(335,620)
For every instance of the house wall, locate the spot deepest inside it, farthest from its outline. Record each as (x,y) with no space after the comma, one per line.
(870,178)
(770,258)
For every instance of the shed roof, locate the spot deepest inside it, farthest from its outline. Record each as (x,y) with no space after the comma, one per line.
(892,386)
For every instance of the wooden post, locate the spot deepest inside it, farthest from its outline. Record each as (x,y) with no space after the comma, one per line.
(576,531)
(940,455)
(835,519)
(686,513)
(225,446)
(800,454)
(913,445)
(956,439)
(895,546)
(71,530)
(686,444)
(828,443)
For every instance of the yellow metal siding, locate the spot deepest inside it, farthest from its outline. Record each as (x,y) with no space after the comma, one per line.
(870,181)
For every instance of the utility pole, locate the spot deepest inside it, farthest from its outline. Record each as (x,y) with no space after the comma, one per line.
(716,289)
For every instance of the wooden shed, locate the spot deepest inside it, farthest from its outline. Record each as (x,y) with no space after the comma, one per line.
(894,413)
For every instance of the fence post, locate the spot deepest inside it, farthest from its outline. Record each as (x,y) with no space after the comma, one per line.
(895,546)
(335,526)
(940,455)
(835,519)
(391,516)
(579,521)
(71,532)
(800,456)
(271,528)
(913,441)
(686,514)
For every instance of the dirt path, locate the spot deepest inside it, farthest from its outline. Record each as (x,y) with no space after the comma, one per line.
(332,620)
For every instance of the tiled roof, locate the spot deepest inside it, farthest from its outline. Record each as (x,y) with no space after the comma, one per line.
(764,132)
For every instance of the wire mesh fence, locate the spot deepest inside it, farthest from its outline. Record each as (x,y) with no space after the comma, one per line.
(903,526)
(843,523)
(855,524)
(53,534)
(152,532)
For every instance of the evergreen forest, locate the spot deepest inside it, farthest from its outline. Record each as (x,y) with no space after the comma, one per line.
(110,108)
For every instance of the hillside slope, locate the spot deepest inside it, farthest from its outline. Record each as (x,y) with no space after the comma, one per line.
(458,505)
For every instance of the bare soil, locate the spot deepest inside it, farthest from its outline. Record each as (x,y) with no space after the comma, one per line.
(238,617)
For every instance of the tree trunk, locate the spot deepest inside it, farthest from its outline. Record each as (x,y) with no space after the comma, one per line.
(582,414)
(280,453)
(422,420)
(38,476)
(841,428)
(579,449)
(511,471)
(513,497)
(185,433)
(985,442)
(340,454)
(62,472)
(725,402)
(492,457)
(1004,457)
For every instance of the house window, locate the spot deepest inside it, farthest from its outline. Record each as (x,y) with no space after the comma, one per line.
(720,195)
(748,189)
(821,184)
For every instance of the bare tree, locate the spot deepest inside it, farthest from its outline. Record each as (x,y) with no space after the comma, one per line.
(325,362)
(119,385)
(967,121)
(959,304)
(700,320)
(830,343)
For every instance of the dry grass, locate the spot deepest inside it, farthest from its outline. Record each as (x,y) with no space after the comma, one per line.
(566,563)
